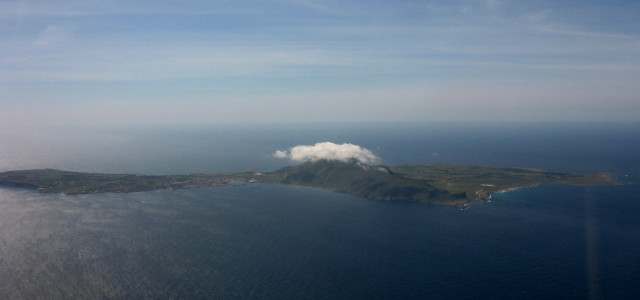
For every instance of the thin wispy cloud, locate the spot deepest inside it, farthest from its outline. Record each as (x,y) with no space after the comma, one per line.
(300,50)
(50,36)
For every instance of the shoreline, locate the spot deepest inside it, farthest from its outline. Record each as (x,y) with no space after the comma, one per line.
(483,195)
(459,186)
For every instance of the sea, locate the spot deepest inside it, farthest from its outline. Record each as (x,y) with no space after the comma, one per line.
(260,241)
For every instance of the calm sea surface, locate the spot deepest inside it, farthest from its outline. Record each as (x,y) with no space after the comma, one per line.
(278,242)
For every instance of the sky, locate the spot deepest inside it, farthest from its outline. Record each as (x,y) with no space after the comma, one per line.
(183,62)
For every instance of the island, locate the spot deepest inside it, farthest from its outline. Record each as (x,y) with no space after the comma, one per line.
(452,185)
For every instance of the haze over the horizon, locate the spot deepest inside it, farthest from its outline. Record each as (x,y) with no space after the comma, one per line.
(167,62)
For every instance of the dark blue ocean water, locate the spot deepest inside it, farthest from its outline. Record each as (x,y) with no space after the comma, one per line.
(275,242)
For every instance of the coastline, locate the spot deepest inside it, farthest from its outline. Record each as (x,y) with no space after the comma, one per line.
(482,195)
(451,185)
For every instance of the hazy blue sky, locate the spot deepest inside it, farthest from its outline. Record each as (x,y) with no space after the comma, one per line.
(103,62)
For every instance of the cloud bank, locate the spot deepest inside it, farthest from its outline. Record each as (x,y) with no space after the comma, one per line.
(329,151)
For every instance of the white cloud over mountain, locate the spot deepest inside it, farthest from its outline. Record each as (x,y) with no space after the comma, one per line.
(329,151)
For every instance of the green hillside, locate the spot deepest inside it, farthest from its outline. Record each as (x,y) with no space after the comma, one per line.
(454,185)
(374,182)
